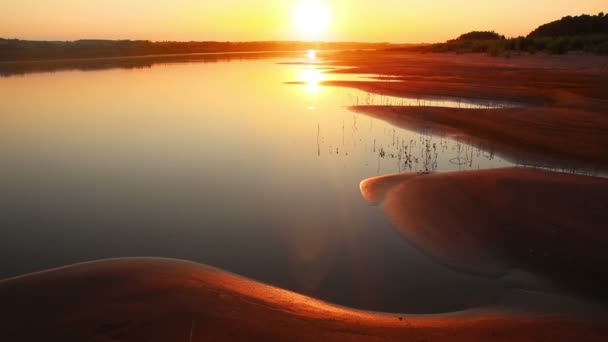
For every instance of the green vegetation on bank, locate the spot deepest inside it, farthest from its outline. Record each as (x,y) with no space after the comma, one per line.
(586,33)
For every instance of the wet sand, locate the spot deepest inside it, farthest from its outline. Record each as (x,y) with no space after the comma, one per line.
(537,229)
(170,300)
(534,80)
(563,114)
(550,225)
(554,137)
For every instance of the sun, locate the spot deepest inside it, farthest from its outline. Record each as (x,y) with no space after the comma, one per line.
(312,18)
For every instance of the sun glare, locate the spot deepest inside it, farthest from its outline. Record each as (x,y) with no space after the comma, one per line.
(312,18)
(312,77)
(312,55)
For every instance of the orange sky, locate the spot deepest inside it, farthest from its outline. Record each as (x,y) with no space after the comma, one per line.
(397,21)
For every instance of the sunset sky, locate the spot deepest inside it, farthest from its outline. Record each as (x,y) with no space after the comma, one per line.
(398,21)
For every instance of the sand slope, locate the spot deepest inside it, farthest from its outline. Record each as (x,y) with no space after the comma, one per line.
(170,300)
(491,221)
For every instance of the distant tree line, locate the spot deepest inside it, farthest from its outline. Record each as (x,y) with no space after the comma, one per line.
(479,35)
(587,33)
(20,50)
(135,62)
(573,26)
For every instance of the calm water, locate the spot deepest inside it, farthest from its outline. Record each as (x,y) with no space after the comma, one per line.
(224,164)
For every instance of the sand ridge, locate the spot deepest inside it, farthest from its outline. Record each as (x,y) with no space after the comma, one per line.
(148,299)
(490,221)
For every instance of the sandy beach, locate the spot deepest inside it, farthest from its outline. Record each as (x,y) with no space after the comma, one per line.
(553,137)
(492,221)
(560,119)
(171,300)
(495,220)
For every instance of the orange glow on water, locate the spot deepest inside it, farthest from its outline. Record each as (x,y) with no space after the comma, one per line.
(312,78)
(312,55)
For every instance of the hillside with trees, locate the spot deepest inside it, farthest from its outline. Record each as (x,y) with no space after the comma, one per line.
(585,33)
(582,25)
(479,35)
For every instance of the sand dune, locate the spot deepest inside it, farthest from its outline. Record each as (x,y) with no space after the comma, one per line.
(170,300)
(491,221)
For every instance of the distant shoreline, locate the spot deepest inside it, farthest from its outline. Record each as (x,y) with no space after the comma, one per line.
(22,67)
(14,50)
(33,61)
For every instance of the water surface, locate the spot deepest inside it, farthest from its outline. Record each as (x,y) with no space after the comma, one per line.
(221,163)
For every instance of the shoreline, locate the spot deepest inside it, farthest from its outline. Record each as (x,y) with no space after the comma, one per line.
(562,118)
(144,56)
(546,223)
(542,137)
(162,299)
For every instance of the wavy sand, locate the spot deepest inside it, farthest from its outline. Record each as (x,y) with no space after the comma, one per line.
(170,300)
(491,221)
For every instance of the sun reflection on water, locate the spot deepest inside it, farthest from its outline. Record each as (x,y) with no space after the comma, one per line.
(312,54)
(312,78)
